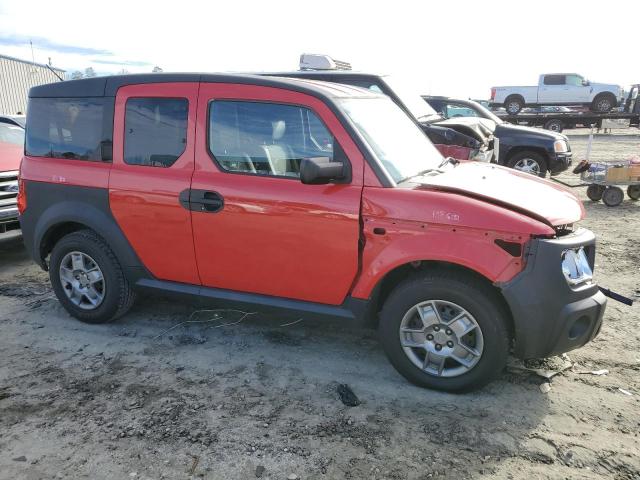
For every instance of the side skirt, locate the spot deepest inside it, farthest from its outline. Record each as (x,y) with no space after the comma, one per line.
(352,309)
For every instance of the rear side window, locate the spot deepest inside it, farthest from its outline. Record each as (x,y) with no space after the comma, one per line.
(70,128)
(155,131)
(266,138)
(554,79)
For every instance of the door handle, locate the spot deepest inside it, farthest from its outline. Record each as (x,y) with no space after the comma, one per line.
(201,200)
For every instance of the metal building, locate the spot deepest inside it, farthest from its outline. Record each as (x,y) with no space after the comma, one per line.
(17,77)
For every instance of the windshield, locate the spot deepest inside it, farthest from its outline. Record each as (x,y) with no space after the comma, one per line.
(411,98)
(399,144)
(11,134)
(485,112)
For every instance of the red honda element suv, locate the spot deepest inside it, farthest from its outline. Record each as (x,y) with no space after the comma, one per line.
(307,197)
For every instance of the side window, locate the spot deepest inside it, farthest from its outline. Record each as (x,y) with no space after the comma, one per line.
(554,79)
(70,128)
(155,131)
(457,110)
(575,80)
(265,138)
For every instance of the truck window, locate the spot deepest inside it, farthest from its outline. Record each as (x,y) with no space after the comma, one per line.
(265,138)
(575,80)
(554,79)
(155,131)
(70,128)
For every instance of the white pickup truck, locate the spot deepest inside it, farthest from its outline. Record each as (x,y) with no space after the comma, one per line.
(558,89)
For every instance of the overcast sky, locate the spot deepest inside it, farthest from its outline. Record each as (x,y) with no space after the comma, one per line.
(445,47)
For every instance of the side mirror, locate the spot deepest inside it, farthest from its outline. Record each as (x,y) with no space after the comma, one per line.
(586,83)
(320,170)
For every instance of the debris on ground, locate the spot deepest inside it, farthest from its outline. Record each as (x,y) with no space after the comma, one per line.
(594,372)
(626,392)
(347,396)
(546,368)
(545,387)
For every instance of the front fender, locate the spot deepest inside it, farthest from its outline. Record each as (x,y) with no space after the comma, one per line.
(407,242)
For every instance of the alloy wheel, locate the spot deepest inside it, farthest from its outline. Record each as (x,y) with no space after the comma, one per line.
(528,165)
(82,280)
(441,338)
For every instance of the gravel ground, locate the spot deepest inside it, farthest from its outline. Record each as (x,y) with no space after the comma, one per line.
(258,398)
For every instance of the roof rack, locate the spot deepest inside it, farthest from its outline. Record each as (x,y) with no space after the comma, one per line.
(312,61)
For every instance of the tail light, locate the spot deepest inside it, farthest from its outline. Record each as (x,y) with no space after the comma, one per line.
(22,196)
(493,94)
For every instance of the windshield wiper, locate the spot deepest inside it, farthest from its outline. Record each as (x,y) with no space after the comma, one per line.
(448,160)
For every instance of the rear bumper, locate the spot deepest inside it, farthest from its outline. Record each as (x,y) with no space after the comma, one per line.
(560,162)
(550,317)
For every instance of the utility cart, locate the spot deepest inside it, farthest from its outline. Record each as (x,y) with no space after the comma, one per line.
(604,179)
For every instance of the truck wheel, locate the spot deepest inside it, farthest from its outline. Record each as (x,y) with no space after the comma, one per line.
(87,278)
(634,192)
(594,192)
(603,103)
(612,196)
(513,105)
(446,331)
(529,162)
(554,125)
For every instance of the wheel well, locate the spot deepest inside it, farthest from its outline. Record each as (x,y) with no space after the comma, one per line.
(607,94)
(514,96)
(516,150)
(384,288)
(55,233)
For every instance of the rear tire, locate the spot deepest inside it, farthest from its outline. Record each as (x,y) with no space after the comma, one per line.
(73,258)
(529,162)
(451,291)
(613,196)
(554,125)
(513,104)
(594,192)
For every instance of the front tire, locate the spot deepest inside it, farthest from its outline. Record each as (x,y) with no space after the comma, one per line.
(603,103)
(446,331)
(87,278)
(595,192)
(529,162)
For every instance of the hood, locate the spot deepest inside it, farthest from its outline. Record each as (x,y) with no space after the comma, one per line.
(10,156)
(521,192)
(479,128)
(530,131)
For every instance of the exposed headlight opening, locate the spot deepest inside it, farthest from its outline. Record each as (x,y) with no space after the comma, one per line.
(560,146)
(575,266)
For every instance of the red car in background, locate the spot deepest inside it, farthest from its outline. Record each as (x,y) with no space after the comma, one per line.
(11,151)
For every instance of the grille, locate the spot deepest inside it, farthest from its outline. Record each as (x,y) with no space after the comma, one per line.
(8,201)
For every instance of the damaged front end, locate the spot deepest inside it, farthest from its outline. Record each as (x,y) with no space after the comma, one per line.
(460,143)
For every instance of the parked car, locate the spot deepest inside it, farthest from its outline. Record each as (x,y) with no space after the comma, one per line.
(527,149)
(17,120)
(463,139)
(285,194)
(11,150)
(558,89)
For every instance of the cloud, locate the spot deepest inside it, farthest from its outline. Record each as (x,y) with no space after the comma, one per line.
(43,43)
(129,63)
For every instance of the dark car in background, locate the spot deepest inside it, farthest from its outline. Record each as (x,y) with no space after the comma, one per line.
(463,139)
(527,149)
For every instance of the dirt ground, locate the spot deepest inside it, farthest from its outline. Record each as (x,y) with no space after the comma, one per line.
(258,398)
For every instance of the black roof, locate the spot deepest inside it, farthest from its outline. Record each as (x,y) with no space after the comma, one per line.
(108,86)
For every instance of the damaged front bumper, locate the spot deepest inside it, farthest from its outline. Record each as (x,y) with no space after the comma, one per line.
(552,315)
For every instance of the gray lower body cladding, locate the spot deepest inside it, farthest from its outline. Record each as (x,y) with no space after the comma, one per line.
(550,316)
